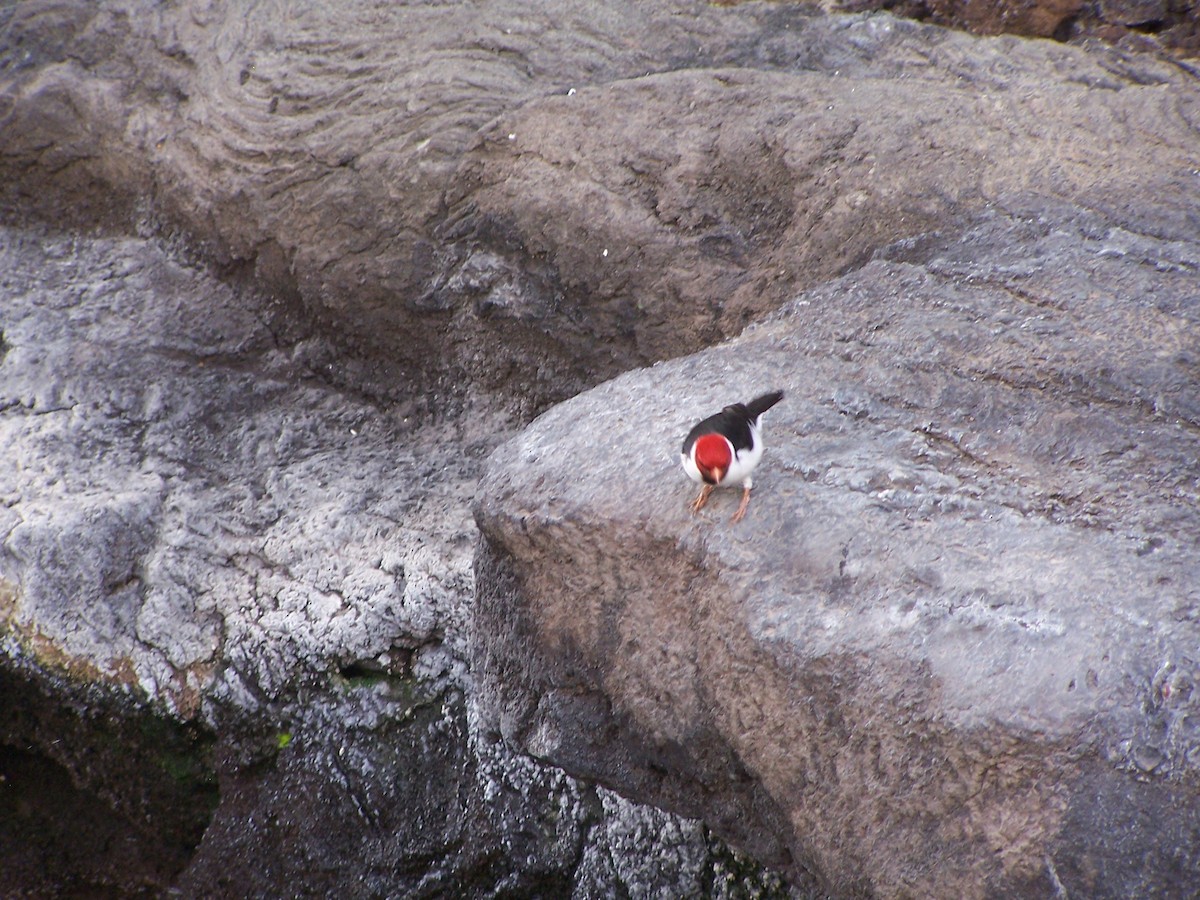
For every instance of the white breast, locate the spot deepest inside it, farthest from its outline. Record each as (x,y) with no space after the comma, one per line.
(744,461)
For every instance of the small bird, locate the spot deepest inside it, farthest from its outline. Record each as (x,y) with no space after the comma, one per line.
(725,448)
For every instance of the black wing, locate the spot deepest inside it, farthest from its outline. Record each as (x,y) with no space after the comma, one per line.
(731,422)
(734,422)
(760,405)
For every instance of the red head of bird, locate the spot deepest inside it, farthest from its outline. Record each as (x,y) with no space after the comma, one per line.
(713,455)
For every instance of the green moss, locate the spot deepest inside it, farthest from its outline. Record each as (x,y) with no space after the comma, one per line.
(401,686)
(153,771)
(8,602)
(735,875)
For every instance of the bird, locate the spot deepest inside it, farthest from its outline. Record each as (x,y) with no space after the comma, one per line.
(724,449)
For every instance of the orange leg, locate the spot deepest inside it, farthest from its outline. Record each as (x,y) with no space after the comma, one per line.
(698,503)
(741,510)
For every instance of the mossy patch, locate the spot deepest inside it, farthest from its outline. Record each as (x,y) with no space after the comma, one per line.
(8,602)
(153,775)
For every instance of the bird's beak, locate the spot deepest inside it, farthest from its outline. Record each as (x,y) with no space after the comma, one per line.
(714,475)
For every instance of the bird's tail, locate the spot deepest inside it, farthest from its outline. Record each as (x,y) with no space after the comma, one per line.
(760,405)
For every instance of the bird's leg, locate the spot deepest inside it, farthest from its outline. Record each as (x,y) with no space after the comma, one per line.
(741,510)
(699,502)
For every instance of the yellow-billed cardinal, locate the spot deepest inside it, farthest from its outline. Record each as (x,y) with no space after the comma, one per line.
(725,448)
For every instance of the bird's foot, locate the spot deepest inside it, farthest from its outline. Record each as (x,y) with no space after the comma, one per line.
(741,510)
(698,503)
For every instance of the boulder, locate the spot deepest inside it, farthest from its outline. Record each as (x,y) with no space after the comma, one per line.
(660,214)
(274,288)
(317,167)
(1157,26)
(232,603)
(951,650)
(673,170)
(946,629)
(235,544)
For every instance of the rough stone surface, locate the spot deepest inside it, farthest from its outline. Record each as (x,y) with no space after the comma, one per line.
(990,434)
(319,166)
(372,181)
(1147,25)
(960,620)
(233,603)
(684,204)
(273,287)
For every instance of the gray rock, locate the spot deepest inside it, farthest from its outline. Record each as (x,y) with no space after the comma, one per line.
(667,212)
(951,624)
(233,605)
(307,269)
(319,167)
(674,171)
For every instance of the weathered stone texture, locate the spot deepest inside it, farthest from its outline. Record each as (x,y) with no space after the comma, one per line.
(1164,26)
(276,281)
(959,622)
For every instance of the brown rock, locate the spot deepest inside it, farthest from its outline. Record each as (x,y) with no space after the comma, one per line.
(213,519)
(1133,12)
(1144,25)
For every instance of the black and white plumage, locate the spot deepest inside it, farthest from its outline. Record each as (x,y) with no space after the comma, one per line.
(724,449)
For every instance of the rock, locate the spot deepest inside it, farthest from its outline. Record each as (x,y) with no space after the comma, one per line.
(213,526)
(981,353)
(1147,25)
(89,794)
(1134,12)
(947,627)
(232,615)
(370,184)
(273,290)
(319,168)
(680,206)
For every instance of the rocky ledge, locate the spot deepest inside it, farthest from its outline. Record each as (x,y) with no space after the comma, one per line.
(275,286)
(951,650)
